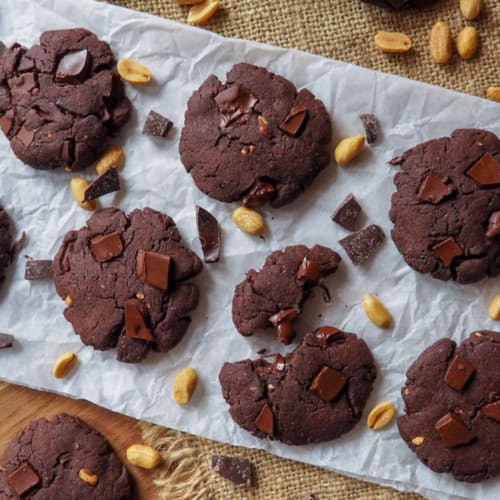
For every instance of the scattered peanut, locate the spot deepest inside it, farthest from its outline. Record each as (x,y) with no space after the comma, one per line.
(494,309)
(376,311)
(493,93)
(441,42)
(133,71)
(113,156)
(68,300)
(467,42)
(478,334)
(185,385)
(347,149)
(78,186)
(381,415)
(202,11)
(418,440)
(470,9)
(392,42)
(249,221)
(143,456)
(88,477)
(64,364)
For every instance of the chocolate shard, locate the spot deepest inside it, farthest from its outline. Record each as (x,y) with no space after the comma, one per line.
(452,431)
(74,67)
(370,124)
(135,322)
(347,213)
(285,332)
(493,225)
(265,420)
(486,171)
(6,340)
(25,136)
(107,182)
(434,189)
(326,333)
(153,268)
(361,244)
(233,103)
(328,383)
(238,470)
(459,372)
(260,193)
(284,315)
(23,479)
(38,269)
(309,270)
(107,246)
(447,250)
(492,410)
(294,121)
(209,233)
(157,125)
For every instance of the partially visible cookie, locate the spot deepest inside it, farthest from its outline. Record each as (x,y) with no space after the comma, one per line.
(274,295)
(123,278)
(45,460)
(5,243)
(314,394)
(452,406)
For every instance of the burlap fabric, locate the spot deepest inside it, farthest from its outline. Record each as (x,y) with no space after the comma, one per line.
(343,30)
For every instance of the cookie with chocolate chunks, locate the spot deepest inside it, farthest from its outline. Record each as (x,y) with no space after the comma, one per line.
(5,243)
(125,276)
(273,296)
(314,394)
(60,100)
(254,128)
(45,460)
(446,210)
(452,407)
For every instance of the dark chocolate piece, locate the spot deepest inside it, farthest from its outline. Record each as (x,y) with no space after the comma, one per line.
(326,333)
(259,195)
(74,67)
(238,470)
(153,268)
(492,410)
(434,189)
(370,124)
(6,340)
(493,225)
(294,121)
(107,182)
(265,420)
(285,331)
(157,125)
(38,269)
(234,102)
(309,270)
(209,233)
(447,250)
(486,171)
(453,431)
(23,479)
(328,383)
(284,315)
(459,372)
(361,244)
(347,213)
(135,323)
(106,246)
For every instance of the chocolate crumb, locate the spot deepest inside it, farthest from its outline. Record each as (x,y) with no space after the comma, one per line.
(361,244)
(157,125)
(38,269)
(371,127)
(6,340)
(238,470)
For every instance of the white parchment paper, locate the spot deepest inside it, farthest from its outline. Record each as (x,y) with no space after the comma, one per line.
(180,58)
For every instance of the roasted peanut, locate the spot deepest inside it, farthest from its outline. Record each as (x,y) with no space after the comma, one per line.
(470,9)
(185,385)
(467,42)
(381,415)
(494,309)
(347,149)
(418,440)
(113,156)
(376,311)
(133,71)
(441,42)
(249,221)
(78,186)
(493,93)
(68,300)
(143,456)
(88,477)
(64,364)
(202,11)
(392,42)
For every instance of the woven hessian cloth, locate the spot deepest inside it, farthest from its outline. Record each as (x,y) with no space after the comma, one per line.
(342,30)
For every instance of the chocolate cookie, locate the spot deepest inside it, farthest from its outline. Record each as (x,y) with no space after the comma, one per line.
(398,4)
(446,210)
(254,130)
(47,459)
(452,405)
(274,295)
(5,243)
(122,278)
(60,100)
(316,393)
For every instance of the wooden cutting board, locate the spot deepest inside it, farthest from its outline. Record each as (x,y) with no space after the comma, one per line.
(19,406)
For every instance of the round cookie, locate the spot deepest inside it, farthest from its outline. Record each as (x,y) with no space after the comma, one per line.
(254,136)
(122,278)
(314,394)
(452,406)
(446,210)
(60,100)
(44,461)
(274,295)
(5,243)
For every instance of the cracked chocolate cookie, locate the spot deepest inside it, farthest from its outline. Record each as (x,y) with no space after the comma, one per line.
(314,394)
(62,458)
(446,210)
(452,406)
(122,278)
(60,100)
(254,137)
(273,296)
(5,243)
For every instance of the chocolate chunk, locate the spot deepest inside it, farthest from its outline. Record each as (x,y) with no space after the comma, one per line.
(285,332)
(492,410)
(447,250)
(486,171)
(234,102)
(278,363)
(284,315)
(328,383)
(153,268)
(370,124)
(296,117)
(6,340)
(135,323)
(157,125)
(309,496)
(25,136)
(265,420)
(238,470)
(74,67)
(259,195)
(493,225)
(209,234)
(107,182)
(23,479)
(5,124)
(361,244)
(453,431)
(309,270)
(434,189)
(37,269)
(347,213)
(326,333)
(106,246)
(459,372)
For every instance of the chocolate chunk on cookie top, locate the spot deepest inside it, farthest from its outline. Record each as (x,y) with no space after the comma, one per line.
(61,100)
(46,460)
(314,394)
(124,276)
(254,137)
(446,210)
(452,407)
(273,296)
(5,243)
